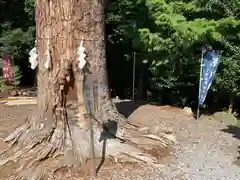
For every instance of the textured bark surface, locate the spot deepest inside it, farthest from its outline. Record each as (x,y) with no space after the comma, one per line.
(56,136)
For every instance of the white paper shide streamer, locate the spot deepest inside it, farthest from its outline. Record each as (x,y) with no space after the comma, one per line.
(47,64)
(33,58)
(81,55)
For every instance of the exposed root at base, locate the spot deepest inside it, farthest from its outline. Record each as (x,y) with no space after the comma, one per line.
(40,149)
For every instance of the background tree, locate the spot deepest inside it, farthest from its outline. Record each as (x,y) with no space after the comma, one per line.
(17,34)
(180,30)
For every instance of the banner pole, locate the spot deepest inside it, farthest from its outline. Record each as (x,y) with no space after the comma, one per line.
(90,106)
(199,89)
(92,146)
(94,168)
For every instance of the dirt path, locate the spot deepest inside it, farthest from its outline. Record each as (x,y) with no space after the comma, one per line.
(203,150)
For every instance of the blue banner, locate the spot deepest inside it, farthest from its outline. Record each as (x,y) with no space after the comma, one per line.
(210,64)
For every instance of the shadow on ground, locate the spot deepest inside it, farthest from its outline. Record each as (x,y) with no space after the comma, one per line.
(238,158)
(237,162)
(234,130)
(126,108)
(105,135)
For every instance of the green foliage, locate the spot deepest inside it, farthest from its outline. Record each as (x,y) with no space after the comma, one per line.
(17,75)
(17,42)
(17,28)
(17,33)
(228,77)
(170,34)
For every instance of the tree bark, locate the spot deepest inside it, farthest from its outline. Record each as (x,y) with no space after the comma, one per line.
(231,102)
(55,136)
(142,83)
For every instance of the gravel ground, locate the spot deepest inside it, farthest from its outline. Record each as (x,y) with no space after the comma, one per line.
(203,150)
(207,153)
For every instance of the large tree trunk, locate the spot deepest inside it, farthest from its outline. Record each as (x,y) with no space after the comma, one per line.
(59,138)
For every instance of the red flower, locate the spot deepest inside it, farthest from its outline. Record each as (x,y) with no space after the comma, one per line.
(7,70)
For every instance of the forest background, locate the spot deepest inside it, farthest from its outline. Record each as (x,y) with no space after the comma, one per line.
(167,37)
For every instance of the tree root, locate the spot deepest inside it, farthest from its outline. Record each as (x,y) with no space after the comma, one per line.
(41,149)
